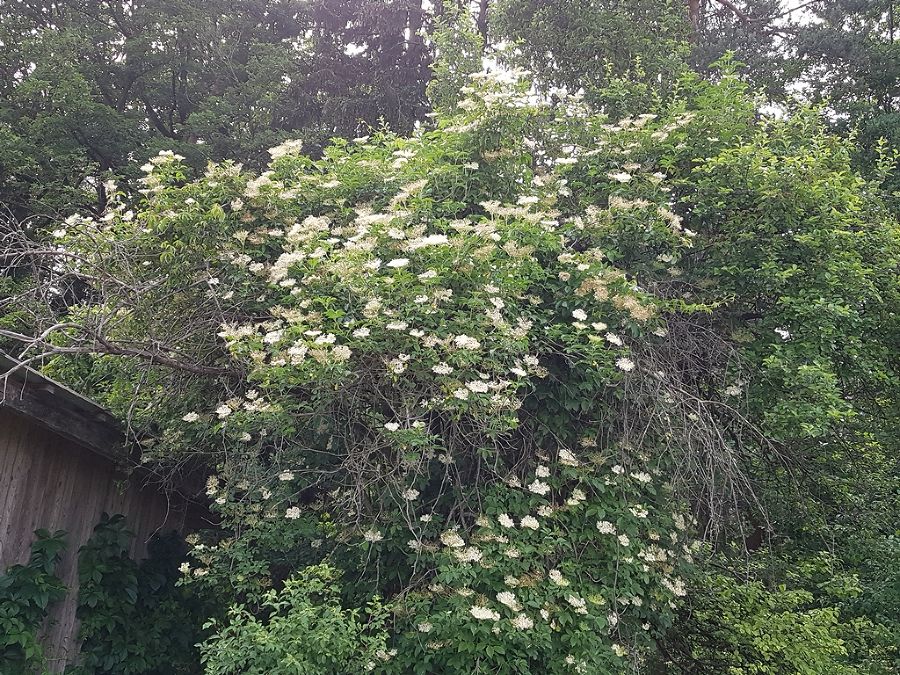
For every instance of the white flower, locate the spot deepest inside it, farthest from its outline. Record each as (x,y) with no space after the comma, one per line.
(606,527)
(477,386)
(410,494)
(398,262)
(442,369)
(783,333)
(451,539)
(641,477)
(508,598)
(397,366)
(639,511)
(530,522)
(624,540)
(539,487)
(184,568)
(341,352)
(372,535)
(542,471)
(577,497)
(272,337)
(578,604)
(292,513)
(614,339)
(430,240)
(467,555)
(285,476)
(424,627)
(625,364)
(567,458)
(557,578)
(466,342)
(223,411)
(522,622)
(292,147)
(484,613)
(599,326)
(191,417)
(397,325)
(461,394)
(619,650)
(362,332)
(580,315)
(429,274)
(505,520)
(391,426)
(676,588)
(620,176)
(618,469)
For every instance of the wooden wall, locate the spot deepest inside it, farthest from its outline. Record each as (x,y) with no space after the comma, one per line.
(47,481)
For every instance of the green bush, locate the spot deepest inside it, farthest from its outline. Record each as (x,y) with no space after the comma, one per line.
(742,628)
(26,593)
(303,630)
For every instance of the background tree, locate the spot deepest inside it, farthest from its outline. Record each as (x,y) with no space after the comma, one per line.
(92,89)
(576,44)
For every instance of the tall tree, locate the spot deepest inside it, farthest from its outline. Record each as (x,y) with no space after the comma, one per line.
(580,44)
(95,87)
(851,59)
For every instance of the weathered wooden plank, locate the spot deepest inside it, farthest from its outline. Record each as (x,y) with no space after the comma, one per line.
(48,481)
(57,407)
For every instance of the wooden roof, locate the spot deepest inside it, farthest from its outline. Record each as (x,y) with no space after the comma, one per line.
(60,409)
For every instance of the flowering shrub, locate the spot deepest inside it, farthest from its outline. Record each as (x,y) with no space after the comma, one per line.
(466,367)
(434,336)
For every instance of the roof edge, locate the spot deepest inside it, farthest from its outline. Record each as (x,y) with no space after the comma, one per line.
(62,410)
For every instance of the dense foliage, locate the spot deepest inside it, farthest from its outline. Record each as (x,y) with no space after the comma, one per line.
(133,619)
(26,593)
(594,370)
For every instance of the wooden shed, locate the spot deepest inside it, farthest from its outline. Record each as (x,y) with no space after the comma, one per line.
(62,464)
